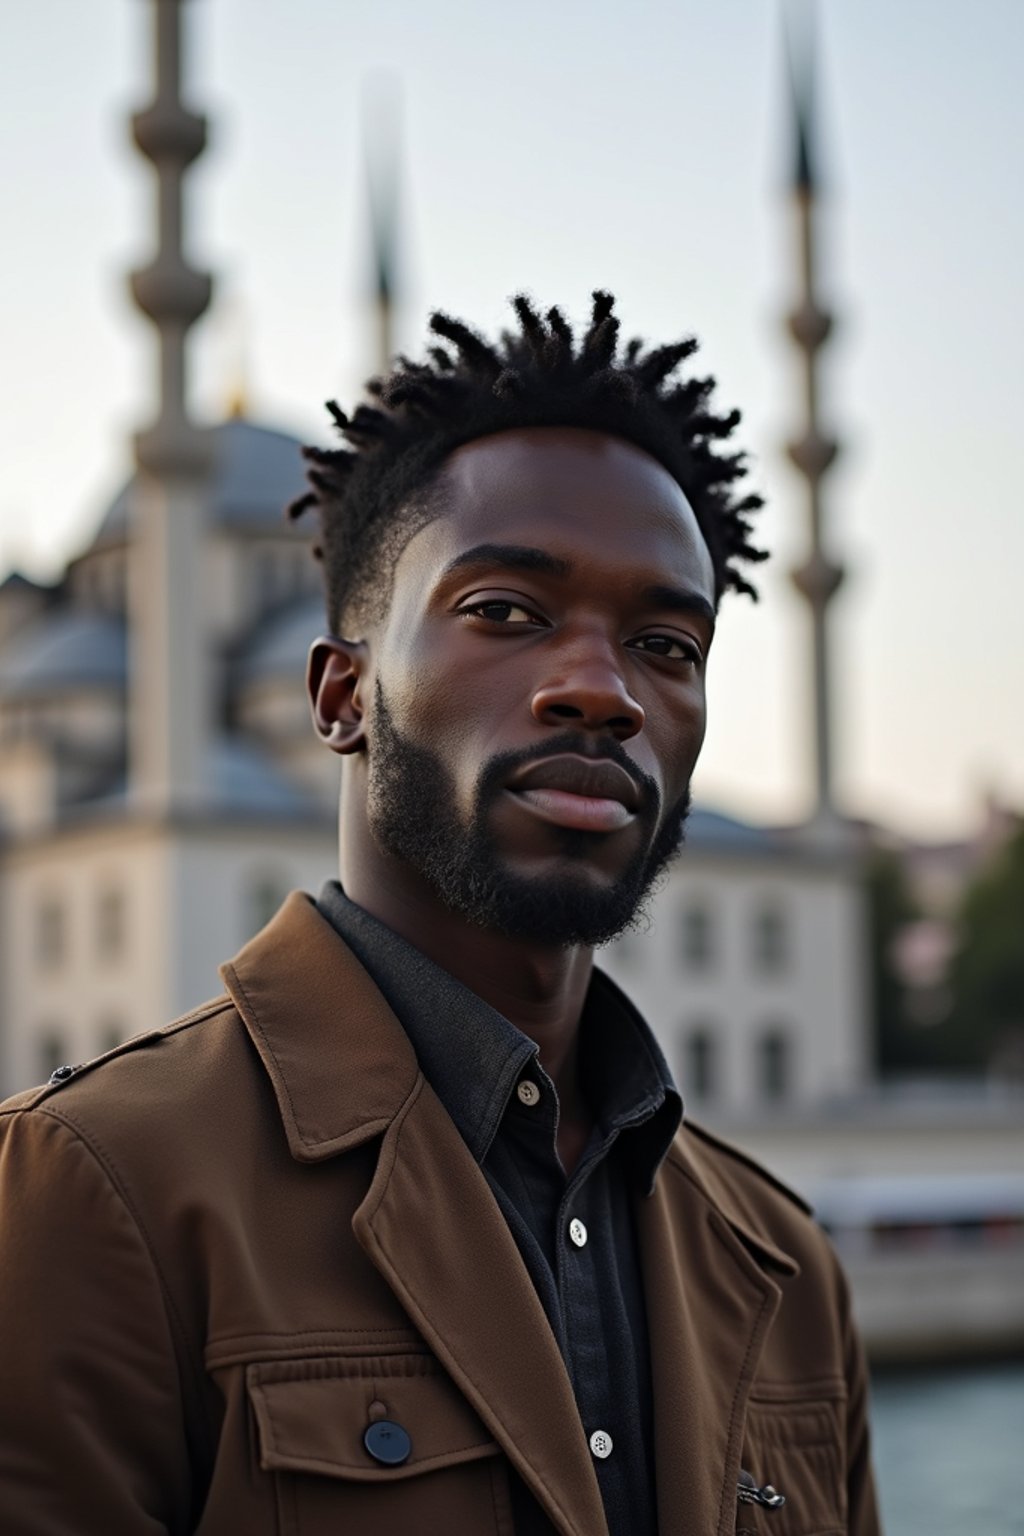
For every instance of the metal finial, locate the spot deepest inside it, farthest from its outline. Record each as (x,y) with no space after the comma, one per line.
(381,133)
(798,38)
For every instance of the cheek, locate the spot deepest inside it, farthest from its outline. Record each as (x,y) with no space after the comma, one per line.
(677,735)
(435,681)
(445,709)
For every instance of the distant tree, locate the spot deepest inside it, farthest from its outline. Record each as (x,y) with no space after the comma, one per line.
(985,1029)
(900,1046)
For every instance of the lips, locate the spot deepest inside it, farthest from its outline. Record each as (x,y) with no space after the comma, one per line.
(582,793)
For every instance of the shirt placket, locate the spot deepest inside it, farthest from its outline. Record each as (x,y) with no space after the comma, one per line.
(579,1233)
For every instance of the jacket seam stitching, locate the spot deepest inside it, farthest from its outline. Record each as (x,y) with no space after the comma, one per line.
(790,1395)
(222,1004)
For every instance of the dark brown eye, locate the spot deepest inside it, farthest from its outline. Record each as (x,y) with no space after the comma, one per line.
(501,611)
(671,646)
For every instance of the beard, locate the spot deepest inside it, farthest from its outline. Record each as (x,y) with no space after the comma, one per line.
(413,816)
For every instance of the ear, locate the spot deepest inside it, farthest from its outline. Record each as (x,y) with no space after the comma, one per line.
(335,678)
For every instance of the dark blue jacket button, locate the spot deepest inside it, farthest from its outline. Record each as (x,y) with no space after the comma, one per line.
(388,1442)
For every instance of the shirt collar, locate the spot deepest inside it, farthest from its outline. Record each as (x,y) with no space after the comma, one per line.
(473,1056)
(626,1078)
(470,1054)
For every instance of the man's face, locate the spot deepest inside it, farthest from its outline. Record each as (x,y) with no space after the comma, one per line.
(538,684)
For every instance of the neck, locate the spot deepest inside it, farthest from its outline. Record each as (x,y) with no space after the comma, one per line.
(539,988)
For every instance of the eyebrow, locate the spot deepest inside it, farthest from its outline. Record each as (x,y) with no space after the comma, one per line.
(677,601)
(513,557)
(525,557)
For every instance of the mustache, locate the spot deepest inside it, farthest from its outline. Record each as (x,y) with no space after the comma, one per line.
(498,769)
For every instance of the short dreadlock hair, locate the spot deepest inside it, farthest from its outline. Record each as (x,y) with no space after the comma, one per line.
(374,493)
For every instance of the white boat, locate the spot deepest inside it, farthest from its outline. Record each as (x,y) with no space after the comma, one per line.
(935,1261)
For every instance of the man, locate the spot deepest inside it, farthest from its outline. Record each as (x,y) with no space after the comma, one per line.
(404,1235)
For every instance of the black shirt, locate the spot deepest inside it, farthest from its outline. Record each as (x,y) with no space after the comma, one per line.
(576,1236)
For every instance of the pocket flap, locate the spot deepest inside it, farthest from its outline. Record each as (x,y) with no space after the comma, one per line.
(311,1415)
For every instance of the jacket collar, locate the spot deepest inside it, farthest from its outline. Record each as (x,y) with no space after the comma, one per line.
(475,1059)
(690,1158)
(339,1061)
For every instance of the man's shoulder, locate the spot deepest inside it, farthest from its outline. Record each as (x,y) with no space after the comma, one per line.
(753,1198)
(735,1164)
(147,1080)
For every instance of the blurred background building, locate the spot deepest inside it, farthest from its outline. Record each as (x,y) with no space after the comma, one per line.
(846,999)
(117,909)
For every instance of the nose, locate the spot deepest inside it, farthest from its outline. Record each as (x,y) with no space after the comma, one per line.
(589,690)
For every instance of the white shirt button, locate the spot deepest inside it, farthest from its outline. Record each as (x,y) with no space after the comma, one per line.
(601,1444)
(528,1093)
(578,1232)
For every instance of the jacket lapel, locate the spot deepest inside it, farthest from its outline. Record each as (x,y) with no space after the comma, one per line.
(710,1305)
(429,1223)
(436,1235)
(339,1061)
(433,1229)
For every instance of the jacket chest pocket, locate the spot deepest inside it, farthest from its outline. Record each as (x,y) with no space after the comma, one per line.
(796,1447)
(376,1446)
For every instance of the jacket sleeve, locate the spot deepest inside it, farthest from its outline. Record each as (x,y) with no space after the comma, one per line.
(92,1434)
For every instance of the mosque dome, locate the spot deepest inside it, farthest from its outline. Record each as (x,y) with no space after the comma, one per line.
(62,653)
(257,472)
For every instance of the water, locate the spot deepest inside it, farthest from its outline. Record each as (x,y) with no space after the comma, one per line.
(949,1451)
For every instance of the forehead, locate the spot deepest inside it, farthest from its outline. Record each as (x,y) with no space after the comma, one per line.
(584,495)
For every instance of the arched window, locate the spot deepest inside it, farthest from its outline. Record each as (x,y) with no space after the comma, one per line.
(697,936)
(699,1063)
(771,938)
(774,1065)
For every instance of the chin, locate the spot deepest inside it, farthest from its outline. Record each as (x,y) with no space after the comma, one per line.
(565,907)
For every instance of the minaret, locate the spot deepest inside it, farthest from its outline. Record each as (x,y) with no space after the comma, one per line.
(381,131)
(170,681)
(818,578)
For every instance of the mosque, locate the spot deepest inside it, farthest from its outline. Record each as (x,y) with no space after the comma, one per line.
(161,788)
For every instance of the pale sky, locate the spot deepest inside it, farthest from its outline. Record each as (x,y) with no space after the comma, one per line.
(559,147)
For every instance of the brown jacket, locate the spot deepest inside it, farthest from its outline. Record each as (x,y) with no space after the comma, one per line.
(228,1246)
